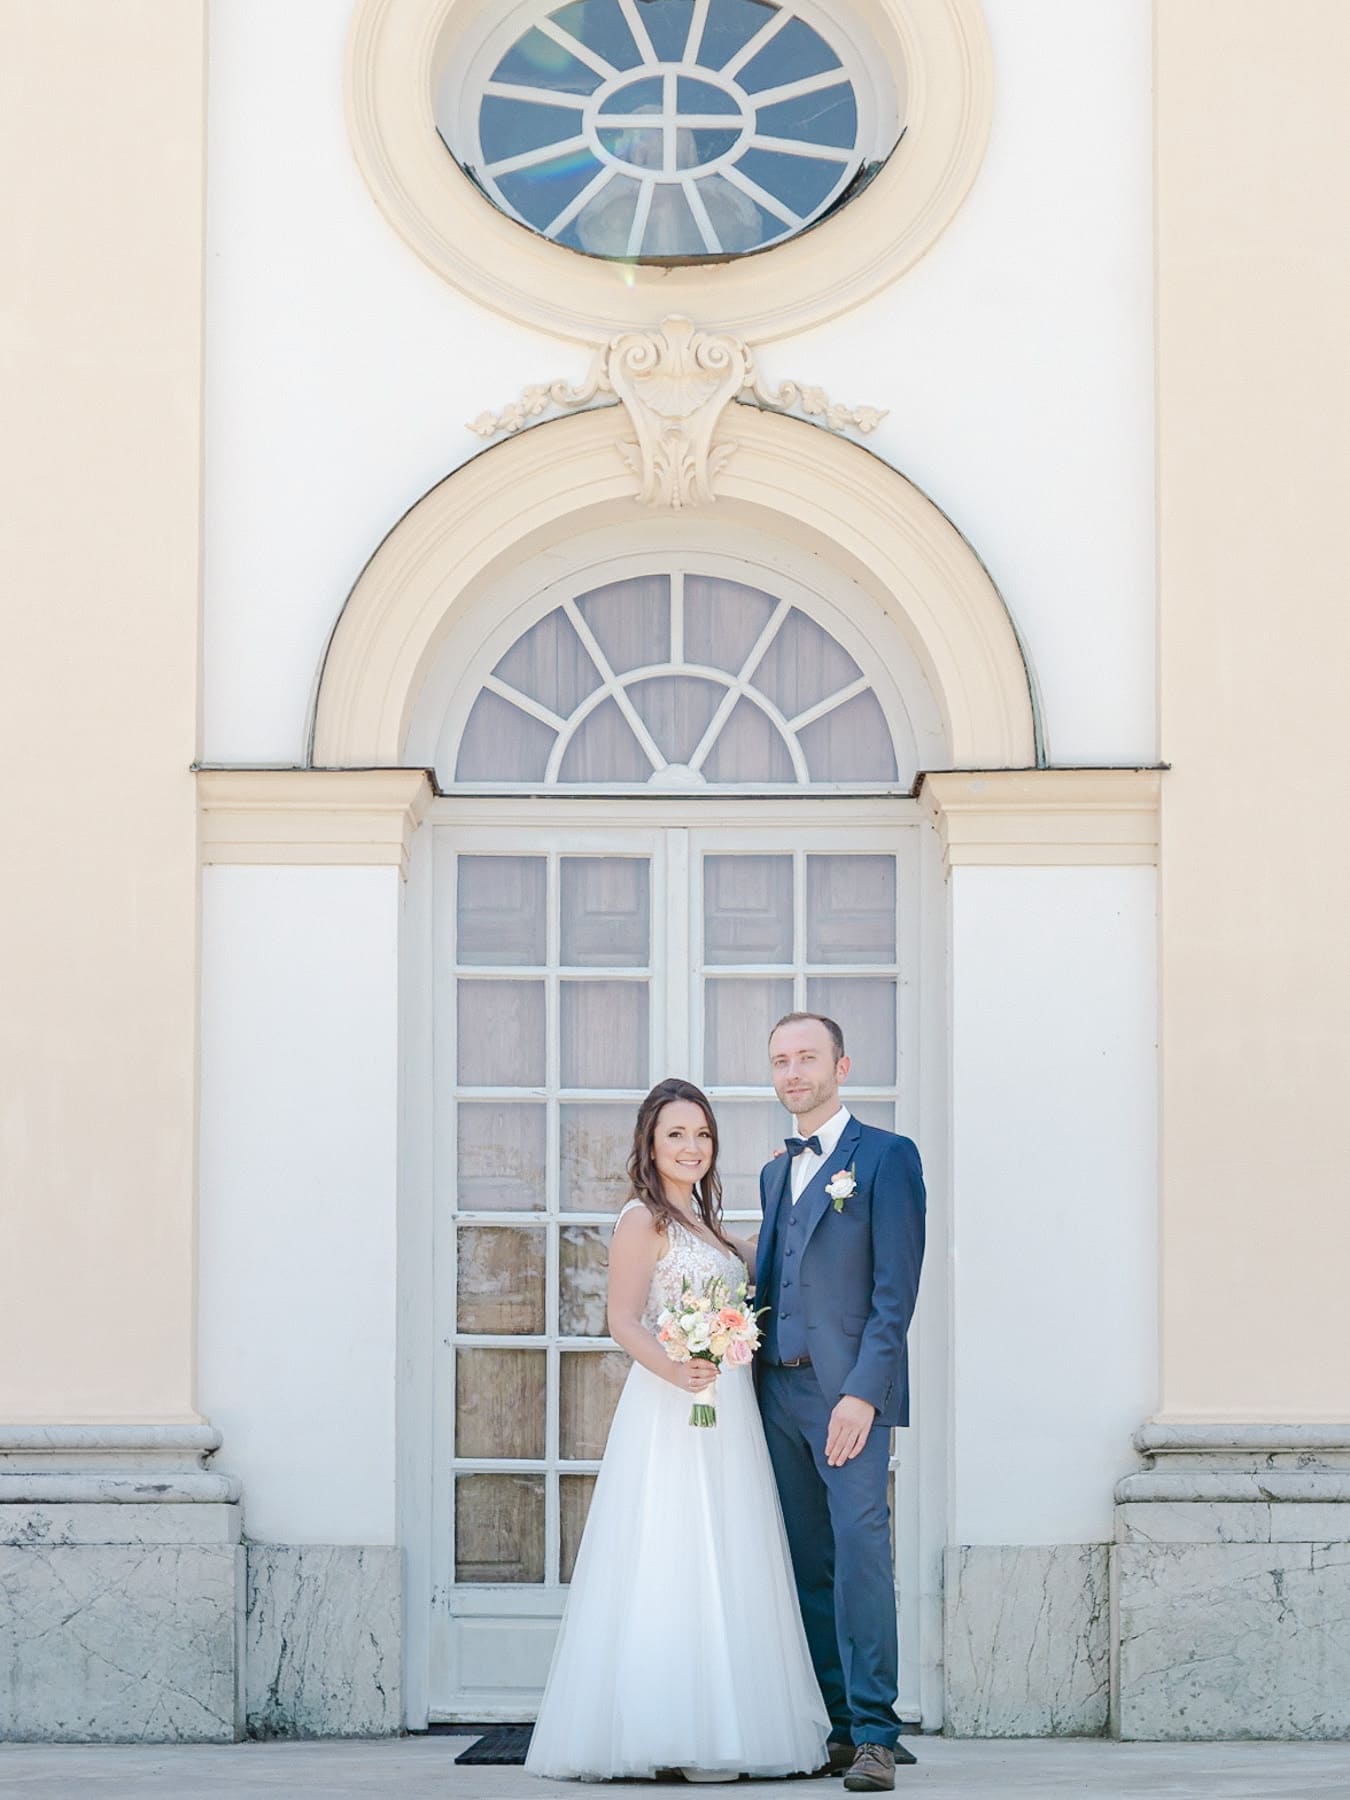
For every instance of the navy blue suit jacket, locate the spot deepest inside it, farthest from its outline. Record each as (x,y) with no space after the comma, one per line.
(859,1271)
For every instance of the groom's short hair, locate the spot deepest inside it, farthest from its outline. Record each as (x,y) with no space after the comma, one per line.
(803,1018)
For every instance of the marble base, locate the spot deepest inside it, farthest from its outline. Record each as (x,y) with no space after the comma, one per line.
(323,1655)
(1237,1464)
(1231,1583)
(1232,1640)
(81,1522)
(111,1465)
(1233,1522)
(1026,1645)
(121,1586)
(117,1643)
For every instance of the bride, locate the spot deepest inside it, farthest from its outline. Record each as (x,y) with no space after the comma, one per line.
(681,1646)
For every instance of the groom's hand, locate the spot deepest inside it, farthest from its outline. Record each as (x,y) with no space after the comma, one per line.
(850,1423)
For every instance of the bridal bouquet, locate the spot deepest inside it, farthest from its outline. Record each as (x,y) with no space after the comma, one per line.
(710,1324)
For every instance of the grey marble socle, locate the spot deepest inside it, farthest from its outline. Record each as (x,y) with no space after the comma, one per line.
(1027,1651)
(107,1465)
(111,1643)
(121,1585)
(1240,1464)
(1232,1640)
(131,1522)
(1232,1522)
(323,1645)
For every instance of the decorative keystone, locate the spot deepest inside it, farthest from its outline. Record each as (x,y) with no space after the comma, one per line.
(675,384)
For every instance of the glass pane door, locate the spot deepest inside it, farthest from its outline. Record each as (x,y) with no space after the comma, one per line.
(802,930)
(550,978)
(573,969)
(828,926)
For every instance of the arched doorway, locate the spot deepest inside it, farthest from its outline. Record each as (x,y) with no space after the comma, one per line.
(676,760)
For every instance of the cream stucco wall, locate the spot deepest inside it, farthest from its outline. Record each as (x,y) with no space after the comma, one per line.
(101,133)
(1253,188)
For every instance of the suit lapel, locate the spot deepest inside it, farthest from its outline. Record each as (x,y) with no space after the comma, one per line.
(815,1201)
(775,1198)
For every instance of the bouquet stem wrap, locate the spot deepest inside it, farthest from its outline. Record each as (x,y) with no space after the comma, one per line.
(704,1411)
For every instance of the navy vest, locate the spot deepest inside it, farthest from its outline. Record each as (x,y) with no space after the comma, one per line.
(784,1326)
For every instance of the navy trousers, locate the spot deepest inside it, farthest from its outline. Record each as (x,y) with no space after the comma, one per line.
(838,1527)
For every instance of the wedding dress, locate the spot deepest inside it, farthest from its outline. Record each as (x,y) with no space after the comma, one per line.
(681,1645)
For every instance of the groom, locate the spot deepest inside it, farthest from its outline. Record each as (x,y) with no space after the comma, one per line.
(838,1265)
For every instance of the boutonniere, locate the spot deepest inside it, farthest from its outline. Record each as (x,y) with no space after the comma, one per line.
(840,1186)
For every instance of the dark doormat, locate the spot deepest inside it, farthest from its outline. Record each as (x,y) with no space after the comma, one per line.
(503,1744)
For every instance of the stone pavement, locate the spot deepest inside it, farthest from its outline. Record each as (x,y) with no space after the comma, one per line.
(423,1768)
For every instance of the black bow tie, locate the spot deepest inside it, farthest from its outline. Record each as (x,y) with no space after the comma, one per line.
(795,1146)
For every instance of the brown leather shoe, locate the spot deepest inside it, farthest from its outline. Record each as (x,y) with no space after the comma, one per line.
(841,1757)
(873,1770)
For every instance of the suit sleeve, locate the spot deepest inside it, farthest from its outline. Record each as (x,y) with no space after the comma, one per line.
(754,1273)
(898,1206)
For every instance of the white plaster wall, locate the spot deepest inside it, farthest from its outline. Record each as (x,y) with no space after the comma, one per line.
(1054,1228)
(1017,363)
(416,1275)
(297,1229)
(1015,360)
(340,371)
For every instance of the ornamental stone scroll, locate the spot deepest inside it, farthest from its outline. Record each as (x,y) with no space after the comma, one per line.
(676,383)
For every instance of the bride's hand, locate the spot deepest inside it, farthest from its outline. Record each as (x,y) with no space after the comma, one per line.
(694,1376)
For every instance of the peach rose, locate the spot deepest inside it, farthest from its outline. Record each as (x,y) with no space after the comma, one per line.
(731,1318)
(738,1353)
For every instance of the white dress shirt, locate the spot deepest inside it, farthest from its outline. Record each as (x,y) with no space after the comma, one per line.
(805,1165)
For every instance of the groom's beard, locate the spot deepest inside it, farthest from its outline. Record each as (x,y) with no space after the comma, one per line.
(810,1099)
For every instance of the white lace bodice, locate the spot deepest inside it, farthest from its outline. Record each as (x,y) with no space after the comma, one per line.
(690,1258)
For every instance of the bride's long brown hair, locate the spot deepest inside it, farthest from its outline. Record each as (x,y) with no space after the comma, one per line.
(642,1161)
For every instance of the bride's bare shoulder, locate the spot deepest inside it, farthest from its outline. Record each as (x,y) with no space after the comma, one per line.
(636,1227)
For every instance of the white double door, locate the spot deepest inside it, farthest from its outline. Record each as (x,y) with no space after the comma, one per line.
(575,965)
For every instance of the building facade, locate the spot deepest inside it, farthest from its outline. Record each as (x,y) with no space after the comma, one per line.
(539,537)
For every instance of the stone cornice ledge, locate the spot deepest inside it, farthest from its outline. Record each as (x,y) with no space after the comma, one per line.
(336,818)
(1239,1462)
(56,1464)
(1044,818)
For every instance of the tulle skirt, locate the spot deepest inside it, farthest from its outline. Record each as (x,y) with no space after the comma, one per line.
(681,1645)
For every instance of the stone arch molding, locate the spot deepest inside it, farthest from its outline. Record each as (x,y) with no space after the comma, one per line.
(816,493)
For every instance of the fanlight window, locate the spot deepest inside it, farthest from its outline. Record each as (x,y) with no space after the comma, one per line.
(668,128)
(676,681)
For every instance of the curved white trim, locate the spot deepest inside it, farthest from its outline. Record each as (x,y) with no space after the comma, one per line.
(810,491)
(938,49)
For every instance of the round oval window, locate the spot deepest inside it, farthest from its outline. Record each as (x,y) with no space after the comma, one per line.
(668,129)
